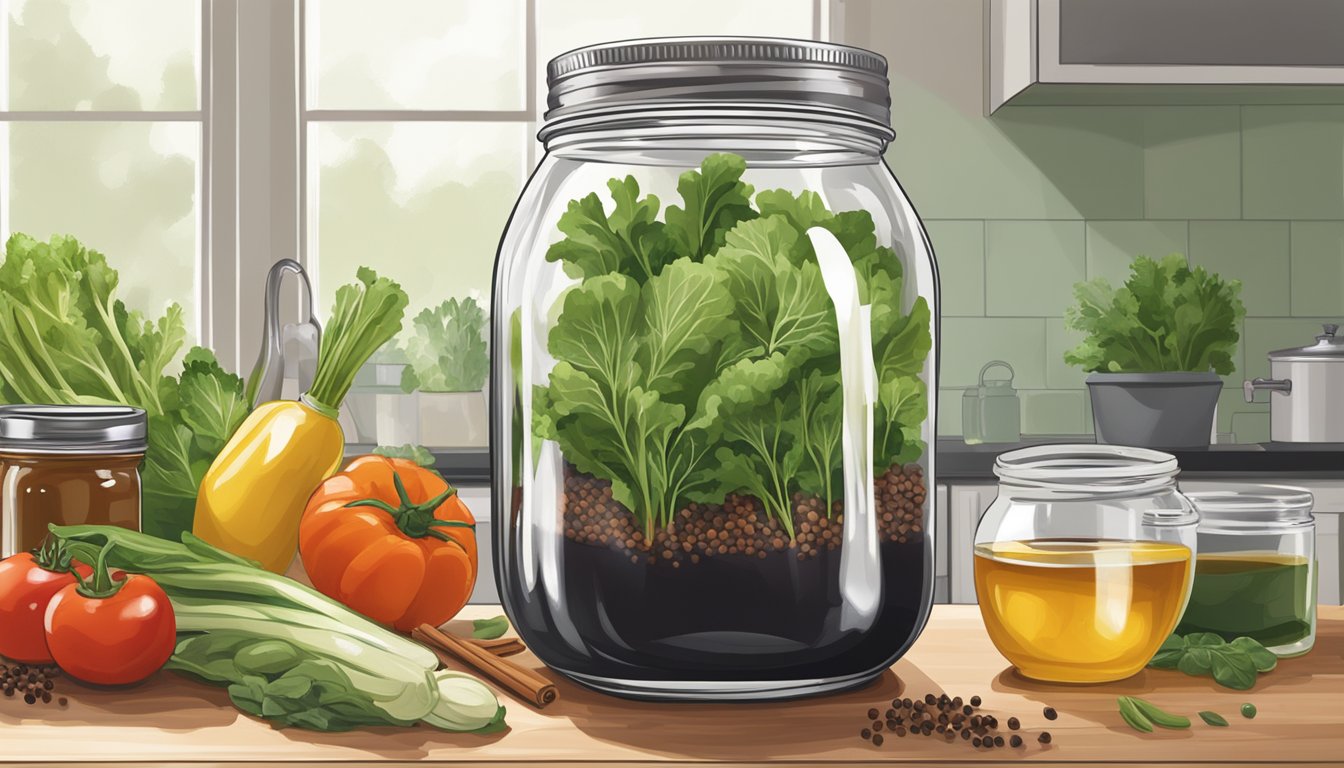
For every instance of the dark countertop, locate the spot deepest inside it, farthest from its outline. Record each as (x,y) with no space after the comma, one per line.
(959,461)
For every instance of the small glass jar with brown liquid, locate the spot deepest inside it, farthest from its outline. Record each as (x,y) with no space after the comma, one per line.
(1256,571)
(68,465)
(1083,564)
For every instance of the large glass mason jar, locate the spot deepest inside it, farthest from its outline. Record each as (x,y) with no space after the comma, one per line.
(712,411)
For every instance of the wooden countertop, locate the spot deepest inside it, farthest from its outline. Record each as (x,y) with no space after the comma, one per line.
(172,719)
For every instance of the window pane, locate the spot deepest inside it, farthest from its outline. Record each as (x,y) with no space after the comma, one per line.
(125,189)
(103,54)
(423,203)
(416,54)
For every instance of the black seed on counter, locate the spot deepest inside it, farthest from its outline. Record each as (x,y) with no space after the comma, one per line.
(1016,741)
(1014,724)
(866,734)
(1050,713)
(975,701)
(872,714)
(877,739)
(1044,738)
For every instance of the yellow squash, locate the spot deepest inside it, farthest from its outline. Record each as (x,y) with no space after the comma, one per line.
(253,495)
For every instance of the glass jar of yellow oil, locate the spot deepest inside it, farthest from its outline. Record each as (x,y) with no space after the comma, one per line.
(1084,562)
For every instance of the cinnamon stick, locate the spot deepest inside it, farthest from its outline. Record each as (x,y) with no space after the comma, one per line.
(500,646)
(518,680)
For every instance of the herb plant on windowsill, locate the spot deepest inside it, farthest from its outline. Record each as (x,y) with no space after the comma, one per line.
(1155,348)
(448,367)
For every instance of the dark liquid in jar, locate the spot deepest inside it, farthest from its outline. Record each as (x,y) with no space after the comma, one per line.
(36,491)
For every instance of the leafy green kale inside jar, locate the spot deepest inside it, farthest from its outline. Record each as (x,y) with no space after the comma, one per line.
(715,484)
(697,393)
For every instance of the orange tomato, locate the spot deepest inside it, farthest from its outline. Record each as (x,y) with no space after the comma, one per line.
(391,540)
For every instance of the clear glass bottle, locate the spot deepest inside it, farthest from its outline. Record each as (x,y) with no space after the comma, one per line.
(1083,562)
(1256,571)
(712,434)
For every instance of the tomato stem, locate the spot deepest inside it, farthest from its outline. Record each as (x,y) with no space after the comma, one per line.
(416,520)
(54,555)
(102,586)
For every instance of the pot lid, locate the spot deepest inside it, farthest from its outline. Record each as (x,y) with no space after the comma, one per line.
(1329,347)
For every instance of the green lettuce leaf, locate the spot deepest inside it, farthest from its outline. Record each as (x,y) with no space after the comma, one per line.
(1166,317)
(447,352)
(714,200)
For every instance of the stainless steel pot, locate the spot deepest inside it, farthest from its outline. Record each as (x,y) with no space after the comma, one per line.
(1306,391)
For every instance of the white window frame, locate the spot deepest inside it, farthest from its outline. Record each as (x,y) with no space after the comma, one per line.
(254,206)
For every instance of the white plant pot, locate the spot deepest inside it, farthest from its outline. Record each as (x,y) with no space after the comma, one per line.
(453,419)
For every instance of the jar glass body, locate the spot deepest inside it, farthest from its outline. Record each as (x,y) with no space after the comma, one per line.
(37,490)
(1256,571)
(1084,562)
(713,454)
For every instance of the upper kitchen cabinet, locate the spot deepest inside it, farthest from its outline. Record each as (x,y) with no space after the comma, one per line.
(1165,51)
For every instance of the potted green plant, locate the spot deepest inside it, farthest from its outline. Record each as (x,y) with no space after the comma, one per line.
(1155,348)
(448,366)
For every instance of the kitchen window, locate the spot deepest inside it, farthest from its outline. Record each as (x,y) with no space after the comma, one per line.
(210,138)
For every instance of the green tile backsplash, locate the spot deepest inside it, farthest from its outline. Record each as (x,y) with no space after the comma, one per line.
(1022,204)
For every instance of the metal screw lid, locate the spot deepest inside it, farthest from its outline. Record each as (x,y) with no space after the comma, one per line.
(73,429)
(759,72)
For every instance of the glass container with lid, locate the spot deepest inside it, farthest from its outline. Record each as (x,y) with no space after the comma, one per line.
(1256,571)
(68,465)
(711,432)
(1083,562)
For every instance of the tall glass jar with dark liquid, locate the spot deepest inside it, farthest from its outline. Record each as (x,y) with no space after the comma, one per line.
(67,465)
(713,394)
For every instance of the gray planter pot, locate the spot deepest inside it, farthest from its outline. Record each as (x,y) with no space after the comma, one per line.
(1154,410)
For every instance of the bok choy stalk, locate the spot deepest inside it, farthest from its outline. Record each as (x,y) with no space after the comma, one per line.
(286,652)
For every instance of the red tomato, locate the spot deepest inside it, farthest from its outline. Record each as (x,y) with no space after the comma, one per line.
(27,584)
(121,638)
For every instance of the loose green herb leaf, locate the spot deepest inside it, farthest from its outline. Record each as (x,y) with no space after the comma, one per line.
(1263,658)
(1232,665)
(489,629)
(1169,653)
(1213,718)
(1159,716)
(1166,317)
(1132,716)
(1248,710)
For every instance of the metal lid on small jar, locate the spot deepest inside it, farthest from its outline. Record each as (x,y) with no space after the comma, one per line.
(73,429)
(755,72)
(1252,506)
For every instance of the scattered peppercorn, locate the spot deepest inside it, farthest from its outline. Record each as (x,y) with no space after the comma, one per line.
(948,717)
(877,739)
(62,701)
(1248,710)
